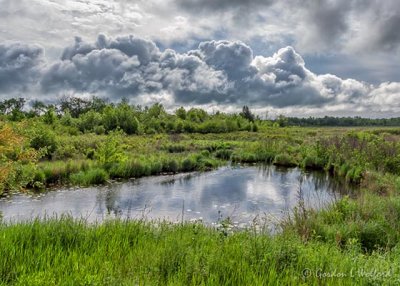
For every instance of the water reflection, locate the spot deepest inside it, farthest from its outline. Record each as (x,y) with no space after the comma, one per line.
(238,192)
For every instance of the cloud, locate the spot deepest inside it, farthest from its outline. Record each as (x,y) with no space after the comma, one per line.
(234,58)
(221,72)
(130,66)
(385,97)
(225,74)
(19,66)
(362,35)
(385,35)
(321,24)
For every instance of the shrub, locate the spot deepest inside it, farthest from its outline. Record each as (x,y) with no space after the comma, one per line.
(373,236)
(44,139)
(99,130)
(39,180)
(188,164)
(170,166)
(111,151)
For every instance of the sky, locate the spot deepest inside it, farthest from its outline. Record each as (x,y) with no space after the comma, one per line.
(291,57)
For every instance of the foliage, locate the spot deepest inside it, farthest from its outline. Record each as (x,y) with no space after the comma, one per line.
(246,113)
(111,151)
(15,157)
(44,139)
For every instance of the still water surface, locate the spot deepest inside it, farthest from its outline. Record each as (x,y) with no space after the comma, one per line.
(240,193)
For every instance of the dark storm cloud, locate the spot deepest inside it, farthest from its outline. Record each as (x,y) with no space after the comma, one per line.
(130,66)
(217,72)
(19,65)
(370,24)
(388,35)
(234,58)
(316,25)
(224,72)
(326,20)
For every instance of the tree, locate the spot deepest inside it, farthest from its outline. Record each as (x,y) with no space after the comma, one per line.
(282,120)
(7,106)
(127,120)
(181,113)
(50,116)
(89,120)
(97,104)
(13,107)
(156,111)
(196,115)
(246,113)
(75,105)
(38,107)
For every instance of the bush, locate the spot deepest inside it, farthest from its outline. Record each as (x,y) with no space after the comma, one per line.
(373,236)
(24,174)
(65,151)
(170,166)
(111,151)
(44,139)
(39,180)
(99,130)
(188,165)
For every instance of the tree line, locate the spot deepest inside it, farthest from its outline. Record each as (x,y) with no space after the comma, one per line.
(341,121)
(96,115)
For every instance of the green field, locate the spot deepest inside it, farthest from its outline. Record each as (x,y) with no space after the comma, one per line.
(353,242)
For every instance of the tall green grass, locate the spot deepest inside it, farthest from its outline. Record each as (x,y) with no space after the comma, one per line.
(70,252)
(90,177)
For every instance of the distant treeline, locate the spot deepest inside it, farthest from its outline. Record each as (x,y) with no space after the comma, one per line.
(341,121)
(99,116)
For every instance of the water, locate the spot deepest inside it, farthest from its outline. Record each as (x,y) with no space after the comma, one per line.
(240,193)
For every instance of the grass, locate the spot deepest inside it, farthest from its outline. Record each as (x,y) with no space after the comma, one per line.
(72,252)
(91,177)
(368,223)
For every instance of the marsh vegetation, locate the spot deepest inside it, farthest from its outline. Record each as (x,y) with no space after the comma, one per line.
(81,143)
